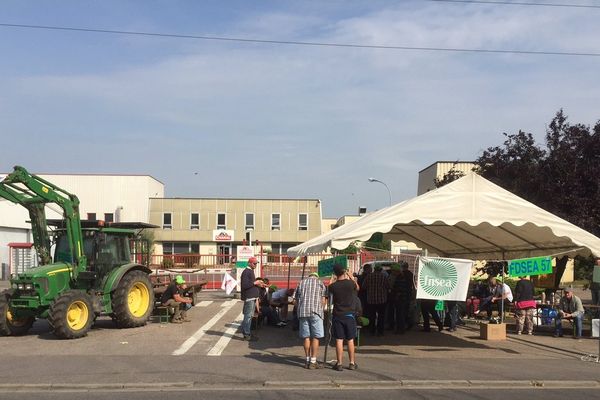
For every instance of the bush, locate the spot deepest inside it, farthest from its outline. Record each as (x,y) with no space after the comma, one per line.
(167,263)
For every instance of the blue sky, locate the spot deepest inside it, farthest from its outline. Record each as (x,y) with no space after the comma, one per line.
(282,121)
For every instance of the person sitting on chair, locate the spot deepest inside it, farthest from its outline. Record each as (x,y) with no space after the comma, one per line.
(173,297)
(571,309)
(500,295)
(280,299)
(266,311)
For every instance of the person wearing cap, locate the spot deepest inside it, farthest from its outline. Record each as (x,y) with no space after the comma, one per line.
(310,298)
(249,292)
(173,297)
(571,309)
(343,291)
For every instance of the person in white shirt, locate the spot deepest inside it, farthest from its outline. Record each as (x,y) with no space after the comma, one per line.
(280,299)
(501,293)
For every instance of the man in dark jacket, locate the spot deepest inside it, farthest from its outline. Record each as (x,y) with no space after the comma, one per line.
(249,293)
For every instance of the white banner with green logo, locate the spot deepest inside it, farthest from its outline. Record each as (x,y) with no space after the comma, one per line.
(443,278)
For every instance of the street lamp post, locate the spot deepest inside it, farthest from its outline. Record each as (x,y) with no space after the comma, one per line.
(386,186)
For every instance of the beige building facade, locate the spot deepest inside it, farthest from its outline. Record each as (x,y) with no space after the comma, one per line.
(437,170)
(210,226)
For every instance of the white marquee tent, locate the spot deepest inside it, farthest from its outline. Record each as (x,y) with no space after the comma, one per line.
(468,218)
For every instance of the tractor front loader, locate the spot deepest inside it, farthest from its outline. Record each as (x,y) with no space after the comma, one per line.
(90,274)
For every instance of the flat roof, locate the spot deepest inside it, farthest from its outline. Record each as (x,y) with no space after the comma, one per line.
(446,162)
(86,174)
(229,198)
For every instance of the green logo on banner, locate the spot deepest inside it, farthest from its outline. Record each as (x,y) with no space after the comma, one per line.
(325,267)
(530,266)
(438,277)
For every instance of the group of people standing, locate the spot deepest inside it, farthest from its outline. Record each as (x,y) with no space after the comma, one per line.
(310,298)
(386,298)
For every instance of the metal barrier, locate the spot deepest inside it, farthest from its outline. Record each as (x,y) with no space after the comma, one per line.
(279,268)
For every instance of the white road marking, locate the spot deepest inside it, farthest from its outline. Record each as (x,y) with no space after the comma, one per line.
(227,335)
(229,303)
(192,340)
(204,303)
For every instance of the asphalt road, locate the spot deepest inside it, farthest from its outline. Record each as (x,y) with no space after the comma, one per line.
(334,394)
(208,358)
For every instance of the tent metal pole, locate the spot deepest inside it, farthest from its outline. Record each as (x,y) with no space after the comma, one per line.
(303,268)
(327,323)
(289,272)
(502,298)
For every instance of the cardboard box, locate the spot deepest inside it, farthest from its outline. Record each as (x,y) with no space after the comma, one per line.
(493,331)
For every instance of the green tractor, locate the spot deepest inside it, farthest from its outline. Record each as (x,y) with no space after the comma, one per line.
(90,274)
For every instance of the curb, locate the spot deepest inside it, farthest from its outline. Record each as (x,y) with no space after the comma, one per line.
(303,385)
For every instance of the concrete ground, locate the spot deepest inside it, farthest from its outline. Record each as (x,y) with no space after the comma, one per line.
(209,354)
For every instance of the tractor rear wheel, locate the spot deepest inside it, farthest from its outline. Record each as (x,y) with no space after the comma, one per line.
(71,315)
(133,300)
(9,324)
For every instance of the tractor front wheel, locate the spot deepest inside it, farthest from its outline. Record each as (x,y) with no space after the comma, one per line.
(133,300)
(71,315)
(9,324)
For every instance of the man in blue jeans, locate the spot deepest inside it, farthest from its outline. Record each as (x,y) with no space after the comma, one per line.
(249,292)
(310,298)
(569,308)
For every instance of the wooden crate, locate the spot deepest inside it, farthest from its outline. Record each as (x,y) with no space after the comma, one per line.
(492,331)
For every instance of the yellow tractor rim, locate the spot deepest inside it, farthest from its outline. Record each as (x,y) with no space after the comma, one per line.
(77,315)
(138,299)
(14,321)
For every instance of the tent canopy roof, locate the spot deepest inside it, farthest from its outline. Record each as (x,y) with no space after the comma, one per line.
(468,218)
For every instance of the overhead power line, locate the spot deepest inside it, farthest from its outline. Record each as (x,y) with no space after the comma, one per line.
(299,43)
(519,3)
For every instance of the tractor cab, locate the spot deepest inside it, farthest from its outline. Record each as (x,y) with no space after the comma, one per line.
(105,245)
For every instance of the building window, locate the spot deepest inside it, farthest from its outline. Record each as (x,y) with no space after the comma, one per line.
(167,221)
(221,221)
(302,222)
(249,238)
(170,248)
(91,216)
(194,221)
(109,217)
(275,222)
(181,247)
(249,221)
(167,248)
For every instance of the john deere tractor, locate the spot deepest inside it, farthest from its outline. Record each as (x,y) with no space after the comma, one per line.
(90,274)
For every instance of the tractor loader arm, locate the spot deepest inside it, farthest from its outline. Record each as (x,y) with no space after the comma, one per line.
(33,193)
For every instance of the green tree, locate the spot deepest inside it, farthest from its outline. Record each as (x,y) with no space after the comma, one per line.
(449,176)
(377,242)
(563,178)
